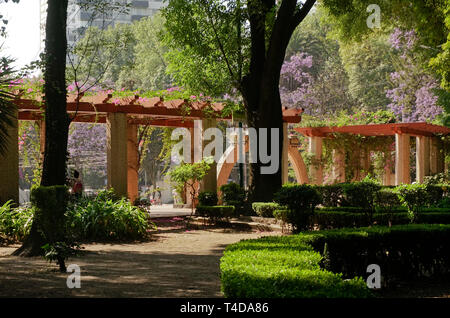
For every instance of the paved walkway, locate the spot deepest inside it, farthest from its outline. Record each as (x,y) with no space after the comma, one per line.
(167,211)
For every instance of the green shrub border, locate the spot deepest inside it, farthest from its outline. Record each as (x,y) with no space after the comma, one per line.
(292,266)
(265,209)
(215,213)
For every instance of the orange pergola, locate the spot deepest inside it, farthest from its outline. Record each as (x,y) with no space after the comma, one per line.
(122,117)
(413,129)
(140,111)
(429,158)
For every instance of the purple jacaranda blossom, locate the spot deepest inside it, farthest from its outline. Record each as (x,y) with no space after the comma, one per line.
(296,87)
(412,96)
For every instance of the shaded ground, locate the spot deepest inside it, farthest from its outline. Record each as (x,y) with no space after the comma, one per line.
(176,262)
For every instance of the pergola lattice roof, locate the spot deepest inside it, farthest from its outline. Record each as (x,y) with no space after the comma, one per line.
(414,129)
(143,111)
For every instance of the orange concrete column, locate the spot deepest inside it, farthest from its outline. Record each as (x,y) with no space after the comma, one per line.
(117,161)
(437,157)
(133,163)
(9,165)
(422,158)
(388,177)
(339,166)
(315,148)
(402,162)
(285,155)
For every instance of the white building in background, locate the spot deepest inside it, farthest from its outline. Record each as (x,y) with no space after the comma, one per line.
(78,19)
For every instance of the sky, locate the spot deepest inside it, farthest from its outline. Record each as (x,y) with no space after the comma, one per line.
(23,28)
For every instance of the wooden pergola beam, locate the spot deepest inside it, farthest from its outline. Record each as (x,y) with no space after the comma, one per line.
(413,129)
(148,108)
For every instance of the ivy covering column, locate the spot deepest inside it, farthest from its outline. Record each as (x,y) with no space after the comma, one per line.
(315,148)
(133,163)
(117,160)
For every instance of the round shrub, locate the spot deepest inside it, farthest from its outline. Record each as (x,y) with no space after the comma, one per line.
(415,197)
(301,201)
(361,194)
(387,200)
(234,195)
(207,198)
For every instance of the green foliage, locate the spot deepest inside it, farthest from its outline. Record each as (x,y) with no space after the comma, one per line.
(329,219)
(361,194)
(50,204)
(60,251)
(344,118)
(215,213)
(187,175)
(15,223)
(234,195)
(439,178)
(368,64)
(265,209)
(7,108)
(354,146)
(206,54)
(290,266)
(190,171)
(386,200)
(207,198)
(414,197)
(403,252)
(150,65)
(301,201)
(107,217)
(331,194)
(282,215)
(330,89)
(429,19)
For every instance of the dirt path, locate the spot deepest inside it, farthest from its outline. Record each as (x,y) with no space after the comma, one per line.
(175,263)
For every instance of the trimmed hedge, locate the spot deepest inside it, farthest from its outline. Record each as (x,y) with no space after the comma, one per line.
(234,195)
(360,194)
(207,198)
(352,194)
(339,219)
(265,209)
(215,213)
(292,266)
(300,201)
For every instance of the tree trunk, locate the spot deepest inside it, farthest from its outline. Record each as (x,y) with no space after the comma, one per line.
(56,118)
(268,115)
(260,87)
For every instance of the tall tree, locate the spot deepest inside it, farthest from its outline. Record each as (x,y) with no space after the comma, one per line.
(250,39)
(56,117)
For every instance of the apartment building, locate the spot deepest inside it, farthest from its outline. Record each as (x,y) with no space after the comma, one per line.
(78,19)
